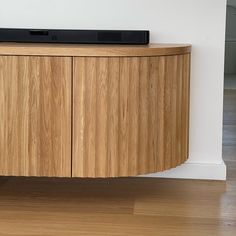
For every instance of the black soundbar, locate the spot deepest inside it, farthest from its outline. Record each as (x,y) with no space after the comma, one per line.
(74,36)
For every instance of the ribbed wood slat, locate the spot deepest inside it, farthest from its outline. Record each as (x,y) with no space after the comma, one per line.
(143,114)
(35,116)
(130,115)
(185,97)
(113,118)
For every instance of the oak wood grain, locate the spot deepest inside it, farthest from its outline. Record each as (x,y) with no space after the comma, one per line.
(130,115)
(35,116)
(74,50)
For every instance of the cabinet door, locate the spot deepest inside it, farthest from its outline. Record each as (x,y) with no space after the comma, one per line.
(35,116)
(130,115)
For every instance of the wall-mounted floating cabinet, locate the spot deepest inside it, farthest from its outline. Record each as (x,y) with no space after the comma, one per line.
(93,111)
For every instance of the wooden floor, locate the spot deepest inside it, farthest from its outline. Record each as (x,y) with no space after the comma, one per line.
(120,207)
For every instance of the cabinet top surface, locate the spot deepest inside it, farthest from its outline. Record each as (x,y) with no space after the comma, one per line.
(42,49)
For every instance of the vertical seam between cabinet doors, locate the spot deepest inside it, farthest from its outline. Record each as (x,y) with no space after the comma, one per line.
(72,116)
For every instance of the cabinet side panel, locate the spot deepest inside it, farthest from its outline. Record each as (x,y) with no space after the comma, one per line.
(35,116)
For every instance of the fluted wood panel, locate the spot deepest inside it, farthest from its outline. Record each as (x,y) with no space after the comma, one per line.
(130,115)
(35,116)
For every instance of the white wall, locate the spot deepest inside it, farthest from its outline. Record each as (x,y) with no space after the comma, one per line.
(199,22)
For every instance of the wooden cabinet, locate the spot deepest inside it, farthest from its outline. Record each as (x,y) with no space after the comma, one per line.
(35,116)
(93,111)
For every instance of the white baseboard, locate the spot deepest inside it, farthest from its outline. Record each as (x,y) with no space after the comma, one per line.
(194,171)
